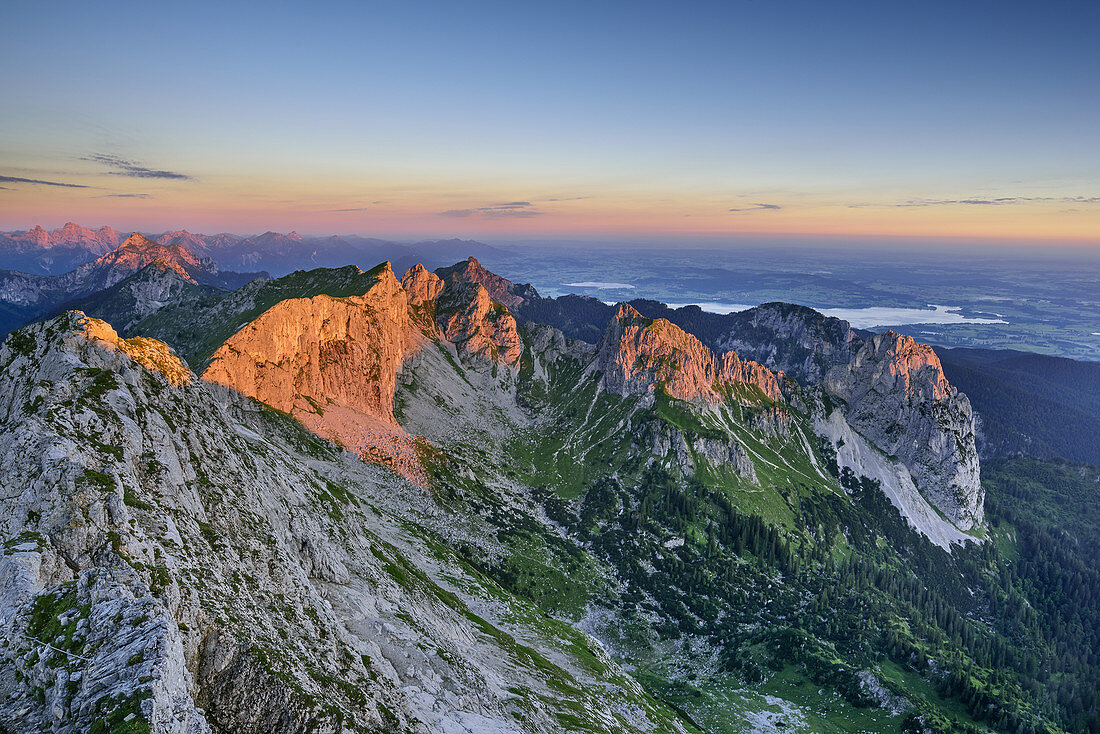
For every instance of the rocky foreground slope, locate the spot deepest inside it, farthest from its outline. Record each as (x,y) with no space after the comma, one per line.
(183,558)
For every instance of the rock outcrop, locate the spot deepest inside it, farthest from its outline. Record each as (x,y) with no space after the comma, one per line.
(501,290)
(897,396)
(421,285)
(332,363)
(798,341)
(153,355)
(637,354)
(476,324)
(664,440)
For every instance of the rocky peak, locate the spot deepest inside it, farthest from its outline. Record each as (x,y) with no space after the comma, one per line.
(421,285)
(37,236)
(71,231)
(74,330)
(499,289)
(465,312)
(153,355)
(626,312)
(332,363)
(897,396)
(477,324)
(138,251)
(799,341)
(637,355)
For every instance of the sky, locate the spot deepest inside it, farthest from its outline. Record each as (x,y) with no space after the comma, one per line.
(974,121)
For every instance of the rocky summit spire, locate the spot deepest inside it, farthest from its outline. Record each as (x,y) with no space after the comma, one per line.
(500,289)
(421,285)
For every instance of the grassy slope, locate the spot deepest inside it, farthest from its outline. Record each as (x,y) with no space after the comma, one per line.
(586,437)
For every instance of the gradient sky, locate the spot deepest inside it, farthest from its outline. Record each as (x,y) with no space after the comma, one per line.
(516,119)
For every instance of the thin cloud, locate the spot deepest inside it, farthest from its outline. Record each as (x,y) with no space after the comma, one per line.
(13,179)
(127,196)
(1000,201)
(520,213)
(518,209)
(757,208)
(980,201)
(133,169)
(352,209)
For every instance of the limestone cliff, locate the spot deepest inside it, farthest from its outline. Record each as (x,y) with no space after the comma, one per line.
(897,396)
(637,354)
(798,341)
(332,363)
(500,289)
(478,325)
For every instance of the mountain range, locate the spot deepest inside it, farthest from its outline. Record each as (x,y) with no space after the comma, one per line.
(40,252)
(342,500)
(1027,403)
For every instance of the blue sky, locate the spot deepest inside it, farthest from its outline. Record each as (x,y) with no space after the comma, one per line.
(838,115)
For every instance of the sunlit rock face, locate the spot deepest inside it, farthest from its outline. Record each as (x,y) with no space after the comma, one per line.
(332,363)
(479,326)
(897,396)
(138,251)
(637,354)
(421,285)
(500,289)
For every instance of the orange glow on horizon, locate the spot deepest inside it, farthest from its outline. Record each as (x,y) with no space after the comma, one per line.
(405,210)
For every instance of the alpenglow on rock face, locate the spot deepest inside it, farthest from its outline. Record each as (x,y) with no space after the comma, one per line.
(331,363)
(897,396)
(637,354)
